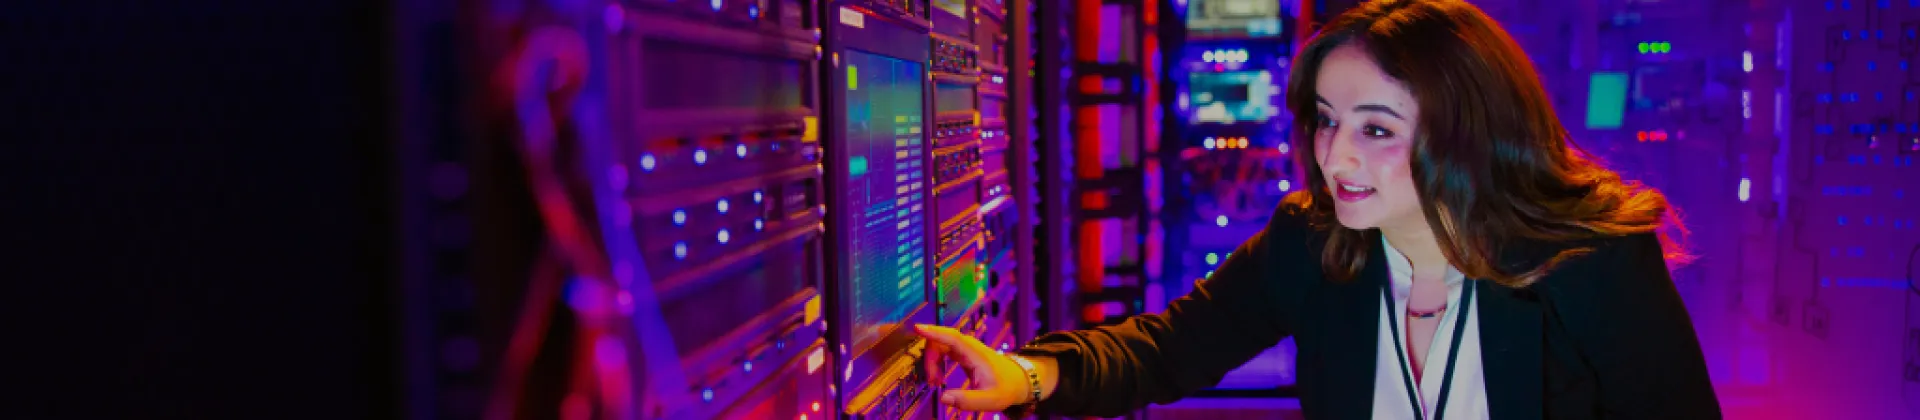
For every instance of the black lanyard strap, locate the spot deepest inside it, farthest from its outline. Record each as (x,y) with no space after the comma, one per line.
(1453,352)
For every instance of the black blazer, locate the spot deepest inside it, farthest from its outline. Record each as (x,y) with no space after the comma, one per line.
(1604,335)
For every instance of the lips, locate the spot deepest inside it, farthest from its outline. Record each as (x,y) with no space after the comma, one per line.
(1350,192)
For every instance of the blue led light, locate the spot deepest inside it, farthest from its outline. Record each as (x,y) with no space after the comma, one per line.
(753,11)
(1824,97)
(1220,220)
(716,5)
(722,206)
(1829,5)
(1872,65)
(706,395)
(680,250)
(700,157)
(647,162)
(1843,220)
(724,237)
(759,224)
(679,217)
(740,150)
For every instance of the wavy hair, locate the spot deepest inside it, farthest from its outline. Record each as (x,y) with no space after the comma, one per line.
(1494,168)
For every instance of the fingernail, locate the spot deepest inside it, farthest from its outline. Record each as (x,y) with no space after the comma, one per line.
(947,399)
(919,328)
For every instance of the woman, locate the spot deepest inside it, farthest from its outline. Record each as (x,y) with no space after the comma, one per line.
(1454,257)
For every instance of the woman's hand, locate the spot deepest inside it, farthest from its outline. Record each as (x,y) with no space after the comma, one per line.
(997,381)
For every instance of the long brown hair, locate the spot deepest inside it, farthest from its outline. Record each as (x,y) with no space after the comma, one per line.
(1493,166)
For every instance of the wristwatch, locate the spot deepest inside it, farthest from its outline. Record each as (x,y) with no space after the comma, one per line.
(1021,410)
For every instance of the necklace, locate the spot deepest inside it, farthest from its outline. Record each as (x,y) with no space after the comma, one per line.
(1420,314)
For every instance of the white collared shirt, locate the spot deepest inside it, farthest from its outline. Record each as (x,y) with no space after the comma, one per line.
(1468,399)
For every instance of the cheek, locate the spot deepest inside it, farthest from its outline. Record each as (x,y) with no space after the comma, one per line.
(1320,143)
(1391,166)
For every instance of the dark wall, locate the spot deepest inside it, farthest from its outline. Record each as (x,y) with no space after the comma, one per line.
(198,202)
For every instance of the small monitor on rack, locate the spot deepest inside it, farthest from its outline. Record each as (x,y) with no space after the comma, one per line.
(1231,97)
(1234,18)
(952,17)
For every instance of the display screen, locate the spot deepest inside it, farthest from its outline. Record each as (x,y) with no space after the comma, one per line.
(885,254)
(1253,17)
(953,97)
(1606,100)
(957,8)
(1232,97)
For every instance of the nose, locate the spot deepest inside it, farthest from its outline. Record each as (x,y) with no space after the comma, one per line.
(1337,153)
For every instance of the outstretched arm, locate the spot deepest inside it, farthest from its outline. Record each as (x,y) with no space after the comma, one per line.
(1242,310)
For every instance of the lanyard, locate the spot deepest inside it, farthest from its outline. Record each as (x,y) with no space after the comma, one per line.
(1453,352)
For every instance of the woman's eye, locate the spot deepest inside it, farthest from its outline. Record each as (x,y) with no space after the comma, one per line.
(1375,132)
(1324,121)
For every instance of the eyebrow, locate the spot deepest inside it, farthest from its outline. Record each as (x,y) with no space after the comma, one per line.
(1365,107)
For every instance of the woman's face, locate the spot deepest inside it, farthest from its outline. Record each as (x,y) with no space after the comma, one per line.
(1364,140)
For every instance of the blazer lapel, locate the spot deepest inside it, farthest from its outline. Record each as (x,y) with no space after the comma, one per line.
(1353,338)
(1510,351)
